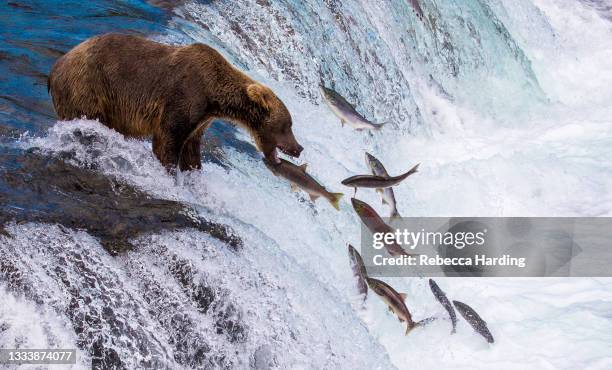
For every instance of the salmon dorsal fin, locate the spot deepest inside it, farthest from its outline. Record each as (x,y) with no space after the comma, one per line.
(403,295)
(303,167)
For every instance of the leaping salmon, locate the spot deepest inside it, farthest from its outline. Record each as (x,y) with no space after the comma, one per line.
(441,297)
(387,194)
(298,178)
(377,182)
(396,302)
(346,112)
(359,271)
(479,325)
(375,224)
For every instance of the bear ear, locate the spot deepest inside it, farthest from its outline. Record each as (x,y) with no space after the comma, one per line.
(260,95)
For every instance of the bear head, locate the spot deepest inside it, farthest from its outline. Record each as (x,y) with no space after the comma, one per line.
(273,131)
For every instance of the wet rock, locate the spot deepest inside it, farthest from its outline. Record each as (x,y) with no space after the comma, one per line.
(8,133)
(206,298)
(38,188)
(105,358)
(58,269)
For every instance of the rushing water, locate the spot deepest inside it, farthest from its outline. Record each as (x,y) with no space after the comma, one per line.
(505,104)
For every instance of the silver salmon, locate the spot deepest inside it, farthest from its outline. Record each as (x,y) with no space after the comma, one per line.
(441,297)
(377,182)
(359,271)
(387,194)
(298,178)
(479,325)
(346,112)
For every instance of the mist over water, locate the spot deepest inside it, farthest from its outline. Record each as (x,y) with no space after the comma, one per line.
(505,104)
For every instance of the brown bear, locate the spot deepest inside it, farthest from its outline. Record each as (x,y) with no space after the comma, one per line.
(142,88)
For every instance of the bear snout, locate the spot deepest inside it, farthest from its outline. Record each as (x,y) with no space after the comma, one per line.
(293,150)
(296,151)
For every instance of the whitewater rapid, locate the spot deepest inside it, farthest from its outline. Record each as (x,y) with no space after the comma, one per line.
(529,140)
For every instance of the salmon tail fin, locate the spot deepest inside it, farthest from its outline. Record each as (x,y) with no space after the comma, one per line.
(380,125)
(335,200)
(411,171)
(414,169)
(410,327)
(395,215)
(419,324)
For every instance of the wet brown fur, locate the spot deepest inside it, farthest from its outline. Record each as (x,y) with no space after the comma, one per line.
(142,88)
